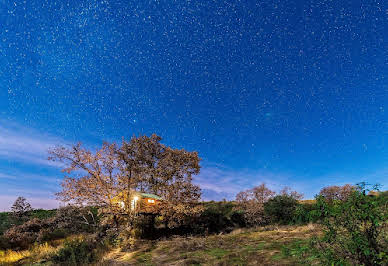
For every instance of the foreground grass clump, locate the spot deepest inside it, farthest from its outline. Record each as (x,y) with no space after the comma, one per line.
(285,245)
(34,254)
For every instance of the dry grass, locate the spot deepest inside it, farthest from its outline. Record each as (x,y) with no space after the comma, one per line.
(35,253)
(261,246)
(271,245)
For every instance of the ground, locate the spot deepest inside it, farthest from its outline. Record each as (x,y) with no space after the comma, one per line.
(271,245)
(287,245)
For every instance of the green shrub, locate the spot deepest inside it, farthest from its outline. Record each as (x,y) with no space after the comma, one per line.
(5,222)
(355,230)
(281,209)
(219,217)
(75,252)
(42,214)
(4,243)
(305,213)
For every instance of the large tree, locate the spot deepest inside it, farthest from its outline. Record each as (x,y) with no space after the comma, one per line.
(92,178)
(140,164)
(153,167)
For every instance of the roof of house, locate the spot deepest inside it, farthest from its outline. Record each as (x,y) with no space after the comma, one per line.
(152,196)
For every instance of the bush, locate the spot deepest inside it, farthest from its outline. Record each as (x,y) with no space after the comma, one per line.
(220,217)
(281,209)
(50,234)
(305,213)
(22,236)
(75,252)
(42,214)
(4,243)
(5,222)
(355,229)
(75,220)
(56,225)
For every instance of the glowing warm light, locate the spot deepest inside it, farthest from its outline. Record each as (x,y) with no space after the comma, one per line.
(151,201)
(136,198)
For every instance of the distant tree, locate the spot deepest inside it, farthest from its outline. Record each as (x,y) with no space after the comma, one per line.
(259,194)
(333,193)
(252,201)
(20,208)
(292,193)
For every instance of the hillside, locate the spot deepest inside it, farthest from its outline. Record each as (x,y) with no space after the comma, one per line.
(284,245)
(270,245)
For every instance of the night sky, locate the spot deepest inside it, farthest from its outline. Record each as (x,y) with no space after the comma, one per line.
(283,92)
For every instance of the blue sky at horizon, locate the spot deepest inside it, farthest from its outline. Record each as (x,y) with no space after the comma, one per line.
(283,92)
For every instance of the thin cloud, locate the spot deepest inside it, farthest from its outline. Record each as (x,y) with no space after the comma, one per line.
(8,176)
(18,143)
(26,176)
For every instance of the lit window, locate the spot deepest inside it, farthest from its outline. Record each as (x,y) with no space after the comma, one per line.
(151,201)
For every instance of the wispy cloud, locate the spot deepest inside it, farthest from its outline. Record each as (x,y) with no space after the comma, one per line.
(24,168)
(218,182)
(8,176)
(23,176)
(24,144)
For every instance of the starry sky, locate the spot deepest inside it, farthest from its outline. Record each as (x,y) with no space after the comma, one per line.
(283,92)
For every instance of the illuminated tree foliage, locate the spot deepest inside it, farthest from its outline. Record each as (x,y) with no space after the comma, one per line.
(92,178)
(141,164)
(155,168)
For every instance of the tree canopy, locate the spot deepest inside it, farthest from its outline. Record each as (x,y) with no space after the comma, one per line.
(141,164)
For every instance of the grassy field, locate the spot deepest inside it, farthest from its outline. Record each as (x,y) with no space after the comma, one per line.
(286,245)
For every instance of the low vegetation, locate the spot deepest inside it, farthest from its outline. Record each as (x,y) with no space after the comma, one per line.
(355,229)
(280,245)
(344,225)
(222,236)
